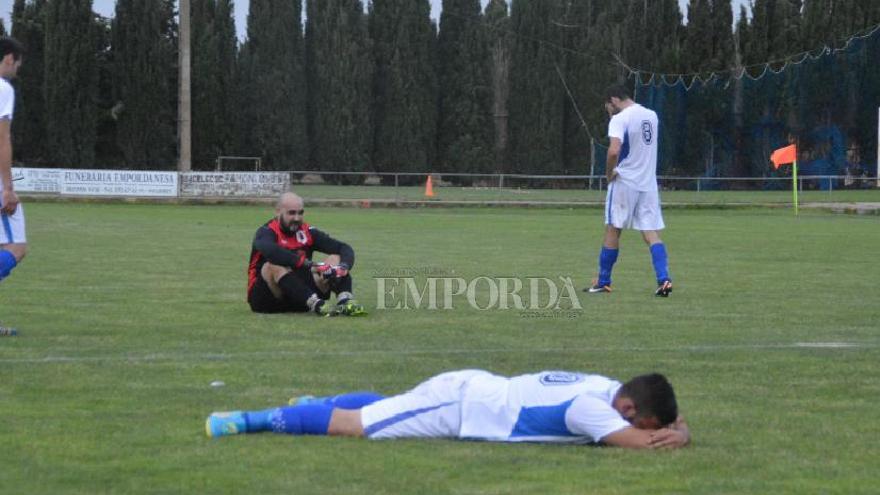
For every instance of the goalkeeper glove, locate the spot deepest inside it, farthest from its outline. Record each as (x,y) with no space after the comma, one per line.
(342,270)
(324,270)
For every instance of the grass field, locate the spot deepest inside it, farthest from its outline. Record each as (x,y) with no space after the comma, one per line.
(582,195)
(128,312)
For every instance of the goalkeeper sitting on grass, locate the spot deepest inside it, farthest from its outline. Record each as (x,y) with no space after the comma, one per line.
(281,275)
(551,406)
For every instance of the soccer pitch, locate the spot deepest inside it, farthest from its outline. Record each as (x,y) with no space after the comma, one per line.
(781,196)
(127,313)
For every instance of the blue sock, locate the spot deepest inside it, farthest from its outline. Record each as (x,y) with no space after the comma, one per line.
(7,263)
(607,258)
(661,263)
(259,420)
(308,419)
(354,400)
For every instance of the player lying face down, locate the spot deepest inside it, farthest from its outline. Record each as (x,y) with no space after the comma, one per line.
(550,406)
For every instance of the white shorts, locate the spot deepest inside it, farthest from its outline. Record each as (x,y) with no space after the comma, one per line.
(431,410)
(12,227)
(628,208)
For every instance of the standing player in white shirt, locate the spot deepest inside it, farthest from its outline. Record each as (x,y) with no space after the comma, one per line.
(550,406)
(13,244)
(632,201)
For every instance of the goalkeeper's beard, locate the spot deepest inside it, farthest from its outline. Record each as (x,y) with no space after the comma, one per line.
(289,228)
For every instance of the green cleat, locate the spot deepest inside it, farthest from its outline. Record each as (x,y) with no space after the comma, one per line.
(348,308)
(302,399)
(324,310)
(220,424)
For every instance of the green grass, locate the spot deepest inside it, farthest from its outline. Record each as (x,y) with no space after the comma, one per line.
(482,194)
(128,312)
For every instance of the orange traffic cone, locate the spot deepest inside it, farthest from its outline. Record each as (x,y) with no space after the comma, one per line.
(429,188)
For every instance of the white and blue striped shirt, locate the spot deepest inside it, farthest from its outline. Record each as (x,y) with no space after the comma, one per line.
(550,406)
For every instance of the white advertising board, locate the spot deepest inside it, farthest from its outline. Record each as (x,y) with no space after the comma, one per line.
(119,183)
(36,180)
(241,184)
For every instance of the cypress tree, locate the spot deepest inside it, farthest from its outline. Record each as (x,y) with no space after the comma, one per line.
(722,35)
(404,89)
(830,21)
(740,165)
(708,118)
(775,30)
(537,98)
(587,72)
(497,23)
(465,130)
(144,83)
(669,36)
(868,13)
(645,35)
(29,129)
(70,83)
(339,67)
(742,30)
(204,80)
(225,50)
(245,98)
(276,57)
(107,153)
(817,22)
(213,75)
(699,37)
(654,33)
(774,34)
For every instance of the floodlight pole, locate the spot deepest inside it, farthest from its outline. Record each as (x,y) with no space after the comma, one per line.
(184,109)
(878,146)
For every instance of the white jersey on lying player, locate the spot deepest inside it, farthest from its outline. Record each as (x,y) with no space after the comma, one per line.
(551,406)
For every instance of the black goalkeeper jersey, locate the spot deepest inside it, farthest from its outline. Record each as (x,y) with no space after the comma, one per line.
(272,244)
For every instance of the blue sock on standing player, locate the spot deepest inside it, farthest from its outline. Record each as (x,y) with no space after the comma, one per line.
(607,258)
(661,262)
(7,263)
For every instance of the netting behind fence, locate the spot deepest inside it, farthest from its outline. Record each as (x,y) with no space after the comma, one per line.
(726,125)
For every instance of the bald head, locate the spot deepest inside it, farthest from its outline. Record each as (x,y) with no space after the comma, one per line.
(289,200)
(289,211)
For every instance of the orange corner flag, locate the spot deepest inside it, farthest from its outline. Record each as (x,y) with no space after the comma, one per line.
(784,156)
(429,188)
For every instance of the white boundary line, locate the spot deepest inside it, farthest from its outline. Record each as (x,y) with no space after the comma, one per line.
(159,357)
